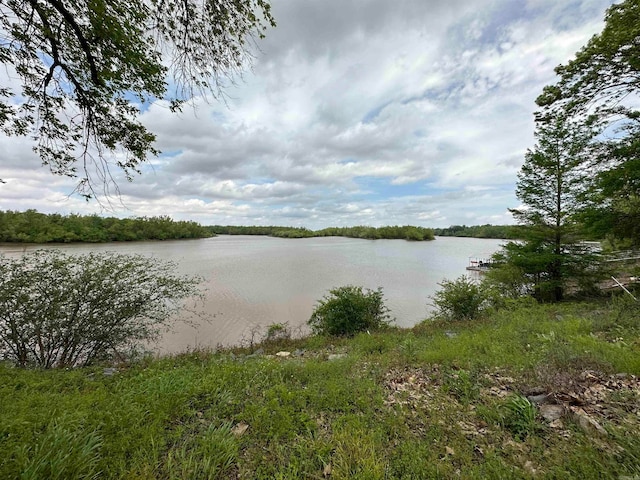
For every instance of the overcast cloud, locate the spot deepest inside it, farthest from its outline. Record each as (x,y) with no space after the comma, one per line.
(356,112)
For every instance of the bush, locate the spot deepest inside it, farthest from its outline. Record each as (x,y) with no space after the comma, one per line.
(509,280)
(59,310)
(349,310)
(461,299)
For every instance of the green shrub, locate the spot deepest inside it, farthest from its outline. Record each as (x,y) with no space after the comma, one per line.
(348,310)
(461,299)
(59,310)
(509,280)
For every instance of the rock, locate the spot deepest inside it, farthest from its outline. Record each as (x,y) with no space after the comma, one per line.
(557,424)
(534,391)
(297,353)
(588,375)
(588,424)
(449,451)
(240,429)
(259,351)
(551,413)
(336,356)
(108,372)
(283,354)
(538,399)
(451,334)
(528,466)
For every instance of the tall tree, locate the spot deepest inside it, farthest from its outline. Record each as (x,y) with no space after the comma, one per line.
(550,186)
(604,80)
(86,68)
(613,210)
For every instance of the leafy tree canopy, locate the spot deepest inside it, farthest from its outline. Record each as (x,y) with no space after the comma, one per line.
(605,71)
(86,67)
(603,80)
(34,227)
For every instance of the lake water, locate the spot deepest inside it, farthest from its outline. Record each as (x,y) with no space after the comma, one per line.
(254,281)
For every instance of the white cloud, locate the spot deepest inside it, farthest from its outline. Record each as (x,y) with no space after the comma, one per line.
(355,112)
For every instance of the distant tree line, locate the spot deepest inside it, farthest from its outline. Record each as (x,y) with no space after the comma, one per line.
(34,227)
(406,232)
(480,231)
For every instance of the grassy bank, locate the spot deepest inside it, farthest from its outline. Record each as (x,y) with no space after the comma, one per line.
(438,401)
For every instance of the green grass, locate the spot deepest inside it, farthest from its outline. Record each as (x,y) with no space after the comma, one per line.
(442,400)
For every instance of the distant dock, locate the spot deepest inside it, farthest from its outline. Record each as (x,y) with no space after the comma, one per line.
(479,263)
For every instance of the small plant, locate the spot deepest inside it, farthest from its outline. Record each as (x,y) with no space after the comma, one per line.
(409,347)
(373,344)
(461,299)
(276,332)
(463,385)
(520,417)
(349,310)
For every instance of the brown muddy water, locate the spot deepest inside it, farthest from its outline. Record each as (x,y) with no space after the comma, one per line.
(253,281)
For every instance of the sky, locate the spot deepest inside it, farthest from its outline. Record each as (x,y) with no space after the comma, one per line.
(355,112)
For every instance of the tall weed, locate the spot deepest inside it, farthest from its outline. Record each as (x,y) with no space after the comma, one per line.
(210,455)
(62,451)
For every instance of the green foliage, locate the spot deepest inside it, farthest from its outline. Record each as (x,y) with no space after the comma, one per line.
(463,385)
(508,279)
(348,310)
(614,208)
(356,457)
(62,451)
(34,227)
(375,414)
(603,81)
(85,69)
(519,416)
(551,185)
(373,344)
(211,454)
(479,231)
(58,310)
(410,347)
(461,299)
(407,232)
